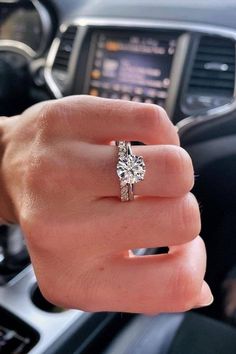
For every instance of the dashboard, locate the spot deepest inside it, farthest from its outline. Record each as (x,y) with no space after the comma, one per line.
(187,67)
(179,54)
(178,66)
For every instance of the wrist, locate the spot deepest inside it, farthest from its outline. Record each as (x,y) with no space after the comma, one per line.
(7,214)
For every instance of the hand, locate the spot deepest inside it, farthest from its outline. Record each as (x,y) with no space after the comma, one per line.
(58,179)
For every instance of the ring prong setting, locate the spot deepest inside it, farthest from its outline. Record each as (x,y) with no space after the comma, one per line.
(131,169)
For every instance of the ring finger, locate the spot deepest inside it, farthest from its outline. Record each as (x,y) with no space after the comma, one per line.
(169,170)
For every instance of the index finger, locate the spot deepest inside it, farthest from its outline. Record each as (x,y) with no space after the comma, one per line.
(103,120)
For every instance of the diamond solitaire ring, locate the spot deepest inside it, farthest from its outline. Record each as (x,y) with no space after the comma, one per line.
(130,170)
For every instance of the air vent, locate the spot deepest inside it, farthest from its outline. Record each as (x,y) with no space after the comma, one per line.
(64,51)
(212,79)
(62,59)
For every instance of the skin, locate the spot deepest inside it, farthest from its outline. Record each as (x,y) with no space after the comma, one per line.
(58,181)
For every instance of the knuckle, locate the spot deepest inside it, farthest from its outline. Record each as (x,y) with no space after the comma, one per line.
(48,113)
(185,288)
(186,172)
(38,167)
(59,117)
(148,118)
(27,223)
(179,164)
(190,224)
(45,169)
(34,225)
(173,161)
(51,119)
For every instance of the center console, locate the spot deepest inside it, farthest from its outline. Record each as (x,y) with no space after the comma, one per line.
(28,323)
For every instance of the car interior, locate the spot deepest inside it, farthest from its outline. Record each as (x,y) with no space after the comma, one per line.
(178,54)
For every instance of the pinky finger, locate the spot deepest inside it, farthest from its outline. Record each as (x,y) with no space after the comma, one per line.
(153,284)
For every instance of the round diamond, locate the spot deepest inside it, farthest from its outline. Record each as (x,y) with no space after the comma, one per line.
(131,169)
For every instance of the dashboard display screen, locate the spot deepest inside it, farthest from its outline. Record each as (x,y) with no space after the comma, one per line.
(131,66)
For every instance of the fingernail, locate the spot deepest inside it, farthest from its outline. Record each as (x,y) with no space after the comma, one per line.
(206,298)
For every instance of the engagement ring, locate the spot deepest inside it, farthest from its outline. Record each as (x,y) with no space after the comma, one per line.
(130,170)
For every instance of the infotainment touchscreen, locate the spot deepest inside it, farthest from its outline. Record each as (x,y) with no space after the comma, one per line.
(130,66)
